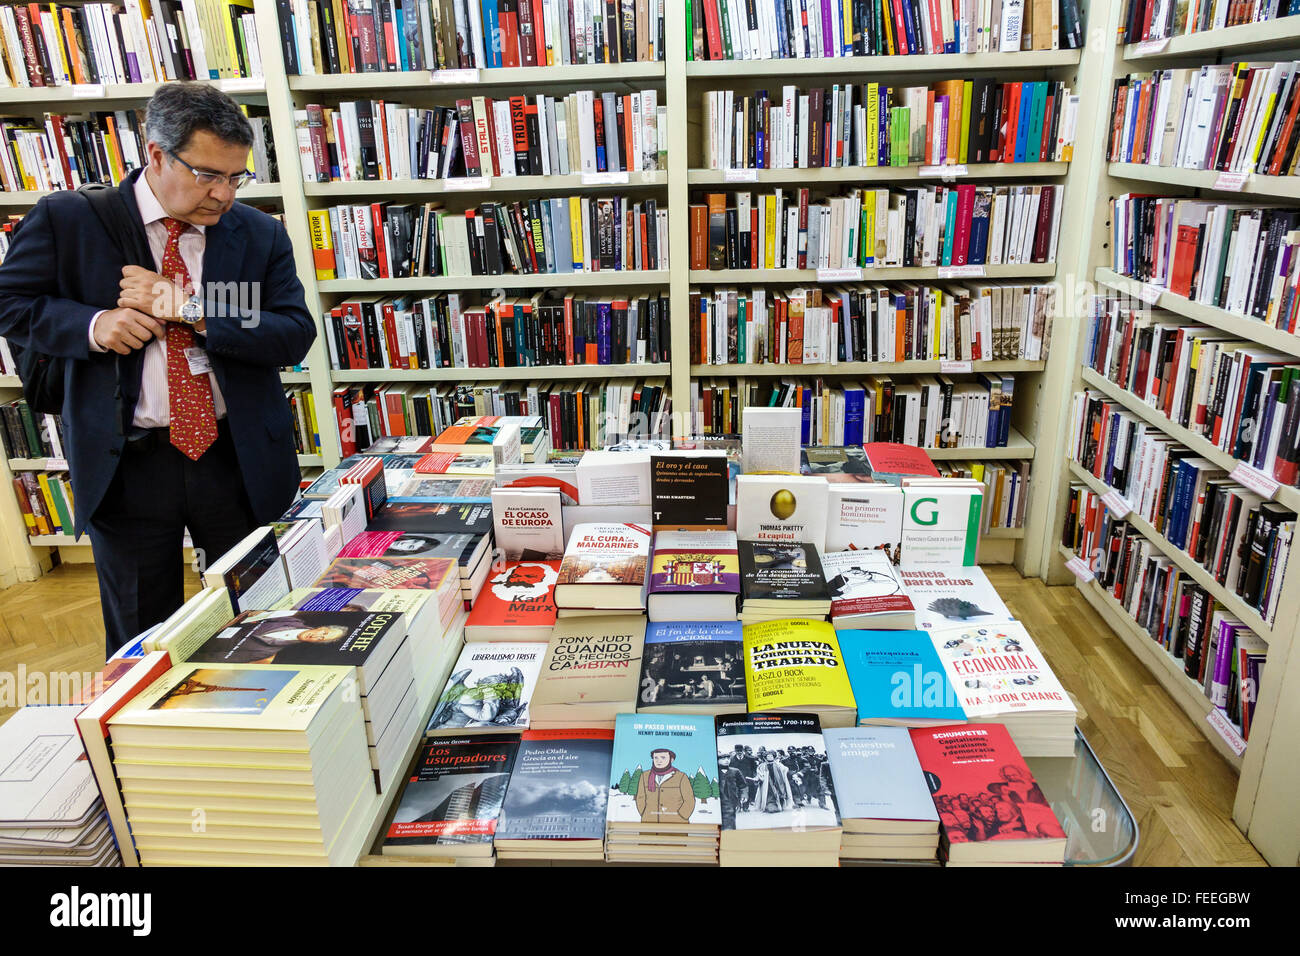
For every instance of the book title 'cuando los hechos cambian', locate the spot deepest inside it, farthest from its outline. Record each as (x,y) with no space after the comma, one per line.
(794,654)
(610,654)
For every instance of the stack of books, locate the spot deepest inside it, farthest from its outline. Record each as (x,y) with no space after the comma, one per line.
(866,591)
(490,690)
(275,756)
(604,569)
(662,806)
(795,666)
(590,672)
(781,580)
(695,576)
(693,667)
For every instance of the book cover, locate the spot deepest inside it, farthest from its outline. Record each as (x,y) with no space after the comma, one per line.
(781,508)
(490,688)
(774,773)
(864,583)
(592,663)
(898,678)
(606,477)
(781,572)
(527,524)
(948,596)
(389,573)
(793,664)
(877,774)
(559,788)
(520,594)
(863,516)
(454,796)
(425,517)
(770,439)
(692,664)
(893,461)
(997,669)
(46,779)
(693,562)
(603,554)
(664,771)
(941,525)
(399,544)
(257,579)
(835,463)
(689,490)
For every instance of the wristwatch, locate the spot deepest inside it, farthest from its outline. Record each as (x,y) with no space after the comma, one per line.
(192,311)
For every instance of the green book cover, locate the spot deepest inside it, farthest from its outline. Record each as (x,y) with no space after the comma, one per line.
(949,227)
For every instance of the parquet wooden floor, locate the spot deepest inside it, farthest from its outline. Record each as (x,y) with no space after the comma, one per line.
(1179,789)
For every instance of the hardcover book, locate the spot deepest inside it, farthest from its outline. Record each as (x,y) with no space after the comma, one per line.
(693,667)
(695,575)
(604,567)
(785,509)
(490,690)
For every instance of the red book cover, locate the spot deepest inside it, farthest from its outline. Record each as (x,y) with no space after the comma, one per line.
(508,18)
(901,34)
(753,236)
(468,138)
(1180,275)
(893,458)
(1284,136)
(985,792)
(965,209)
(1013,123)
(713,29)
(539,32)
(519,595)
(388,573)
(396,359)
(377,218)
(568,333)
(528,30)
(1043,233)
(1047,148)
(347,430)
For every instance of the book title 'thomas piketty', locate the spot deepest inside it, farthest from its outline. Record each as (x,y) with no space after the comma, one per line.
(794,654)
(579,655)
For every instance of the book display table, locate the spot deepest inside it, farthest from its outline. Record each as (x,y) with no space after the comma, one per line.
(1099,826)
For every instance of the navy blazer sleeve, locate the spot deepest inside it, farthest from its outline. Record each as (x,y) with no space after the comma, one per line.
(280,331)
(29,314)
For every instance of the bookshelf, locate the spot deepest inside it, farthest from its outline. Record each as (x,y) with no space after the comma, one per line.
(1267,769)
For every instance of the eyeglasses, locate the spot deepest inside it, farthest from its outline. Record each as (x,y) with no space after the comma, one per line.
(207,179)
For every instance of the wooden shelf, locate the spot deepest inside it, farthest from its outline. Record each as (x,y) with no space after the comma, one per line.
(518,373)
(253,192)
(769,369)
(58,541)
(1018,446)
(311,461)
(1004,534)
(1287,496)
(1279,187)
(961,63)
(571,280)
(1282,33)
(1164,667)
(604,74)
(295,378)
(1230,322)
(379,188)
(868,174)
(1235,605)
(31,464)
(1028,270)
(91,96)
(10,381)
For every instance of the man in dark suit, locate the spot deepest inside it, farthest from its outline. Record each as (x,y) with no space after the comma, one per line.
(173,411)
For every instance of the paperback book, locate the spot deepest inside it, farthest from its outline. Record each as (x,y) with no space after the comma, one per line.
(695,576)
(784,509)
(559,793)
(516,604)
(898,679)
(866,590)
(604,567)
(950,596)
(490,690)
(796,665)
(693,667)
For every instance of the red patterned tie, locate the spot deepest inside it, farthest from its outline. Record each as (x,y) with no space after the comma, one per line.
(193,419)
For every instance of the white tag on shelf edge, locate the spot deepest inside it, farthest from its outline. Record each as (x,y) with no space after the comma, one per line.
(604,179)
(962,272)
(839,275)
(1148,47)
(453,76)
(1116,503)
(56,464)
(1220,722)
(243,84)
(1150,294)
(1079,568)
(955,366)
(741,175)
(943,172)
(1231,182)
(88,89)
(1254,479)
(467,182)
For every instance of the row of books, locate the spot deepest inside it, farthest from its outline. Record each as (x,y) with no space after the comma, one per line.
(442,331)
(924,226)
(1241,398)
(871,324)
(58,45)
(1006,489)
(1240,538)
(783,29)
(45,500)
(584,132)
(949,122)
(1216,650)
(1153,20)
(306,429)
(1236,117)
(27,434)
(556,236)
(369,37)
(927,411)
(1226,255)
(66,151)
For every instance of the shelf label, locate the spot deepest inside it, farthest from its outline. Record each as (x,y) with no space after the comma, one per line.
(1079,568)
(839,275)
(1148,293)
(943,172)
(468,182)
(962,272)
(56,464)
(604,179)
(1220,722)
(1151,47)
(1254,479)
(955,367)
(742,175)
(453,76)
(244,84)
(1116,504)
(1231,182)
(88,89)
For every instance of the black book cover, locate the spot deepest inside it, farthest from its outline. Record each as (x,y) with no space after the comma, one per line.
(455,794)
(781,572)
(374,351)
(688,492)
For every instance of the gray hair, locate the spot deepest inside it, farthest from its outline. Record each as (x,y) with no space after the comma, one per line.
(176,110)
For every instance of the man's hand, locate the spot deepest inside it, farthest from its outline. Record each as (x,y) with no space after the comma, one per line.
(151,293)
(124,330)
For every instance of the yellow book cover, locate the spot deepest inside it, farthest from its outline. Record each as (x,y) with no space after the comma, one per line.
(341,36)
(936,345)
(967,95)
(794,664)
(63,64)
(322,242)
(769,240)
(311,420)
(575,230)
(50,507)
(868,240)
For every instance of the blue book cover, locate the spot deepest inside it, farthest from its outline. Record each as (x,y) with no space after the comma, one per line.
(805,414)
(400,24)
(855,408)
(692,664)
(1035,144)
(558,788)
(664,771)
(563,237)
(949,228)
(491,33)
(604,332)
(877,775)
(898,678)
(1022,123)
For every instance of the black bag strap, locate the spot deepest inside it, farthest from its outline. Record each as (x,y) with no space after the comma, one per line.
(111,208)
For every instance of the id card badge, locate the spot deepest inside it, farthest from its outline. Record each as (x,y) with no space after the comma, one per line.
(200,364)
